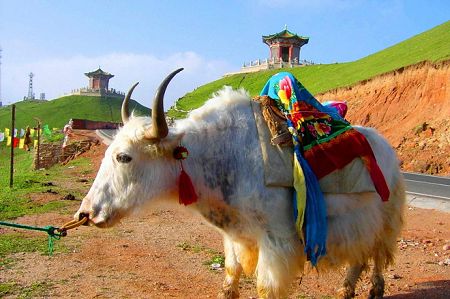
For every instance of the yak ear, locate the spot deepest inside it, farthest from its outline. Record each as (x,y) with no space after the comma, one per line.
(107,136)
(171,141)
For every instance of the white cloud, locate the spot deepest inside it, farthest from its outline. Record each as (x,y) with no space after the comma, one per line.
(58,75)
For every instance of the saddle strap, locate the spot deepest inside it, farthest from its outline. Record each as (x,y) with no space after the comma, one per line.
(276,121)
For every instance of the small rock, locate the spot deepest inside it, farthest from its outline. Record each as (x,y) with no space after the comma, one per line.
(446,247)
(215,266)
(69,197)
(394,276)
(50,191)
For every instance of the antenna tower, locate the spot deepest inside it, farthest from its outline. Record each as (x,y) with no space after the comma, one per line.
(30,87)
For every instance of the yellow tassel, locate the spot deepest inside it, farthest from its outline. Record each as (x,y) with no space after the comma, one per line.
(300,188)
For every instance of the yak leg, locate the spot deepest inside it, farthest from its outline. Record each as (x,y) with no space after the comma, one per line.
(233,269)
(377,279)
(278,263)
(353,273)
(385,248)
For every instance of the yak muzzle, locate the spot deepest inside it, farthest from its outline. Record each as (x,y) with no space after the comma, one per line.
(84,215)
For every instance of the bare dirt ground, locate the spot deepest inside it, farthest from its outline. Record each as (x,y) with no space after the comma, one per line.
(166,252)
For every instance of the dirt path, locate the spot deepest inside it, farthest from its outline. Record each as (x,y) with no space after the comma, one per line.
(166,252)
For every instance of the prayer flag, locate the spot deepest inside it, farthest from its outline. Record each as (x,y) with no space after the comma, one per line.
(35,143)
(46,130)
(22,132)
(8,141)
(2,136)
(16,141)
(31,132)
(6,132)
(21,142)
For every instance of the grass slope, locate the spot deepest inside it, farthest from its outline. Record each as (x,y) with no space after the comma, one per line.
(57,112)
(433,45)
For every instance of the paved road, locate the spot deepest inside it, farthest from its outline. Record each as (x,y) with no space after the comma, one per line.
(427,185)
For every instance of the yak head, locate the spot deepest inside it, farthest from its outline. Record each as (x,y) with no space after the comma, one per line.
(138,165)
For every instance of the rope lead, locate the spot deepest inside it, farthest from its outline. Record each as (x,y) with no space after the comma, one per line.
(54,233)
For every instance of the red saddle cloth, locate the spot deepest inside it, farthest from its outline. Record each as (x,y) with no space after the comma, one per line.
(330,144)
(326,157)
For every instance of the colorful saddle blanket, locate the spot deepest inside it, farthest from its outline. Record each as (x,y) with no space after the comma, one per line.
(323,142)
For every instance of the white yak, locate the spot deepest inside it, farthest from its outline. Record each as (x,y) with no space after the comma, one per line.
(256,221)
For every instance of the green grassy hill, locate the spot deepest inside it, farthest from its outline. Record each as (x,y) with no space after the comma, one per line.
(433,45)
(57,112)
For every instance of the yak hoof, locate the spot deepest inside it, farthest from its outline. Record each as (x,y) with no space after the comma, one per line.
(228,294)
(372,295)
(377,290)
(345,293)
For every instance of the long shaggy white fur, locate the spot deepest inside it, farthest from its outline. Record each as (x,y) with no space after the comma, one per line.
(257,222)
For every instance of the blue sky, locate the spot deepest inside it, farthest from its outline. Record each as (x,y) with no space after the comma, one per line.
(144,40)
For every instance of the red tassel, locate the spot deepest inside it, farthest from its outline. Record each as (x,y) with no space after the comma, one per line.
(186,191)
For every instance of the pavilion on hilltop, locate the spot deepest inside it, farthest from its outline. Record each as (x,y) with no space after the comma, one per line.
(99,79)
(285,46)
(98,85)
(284,51)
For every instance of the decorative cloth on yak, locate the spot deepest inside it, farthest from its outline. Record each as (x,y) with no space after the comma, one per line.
(323,142)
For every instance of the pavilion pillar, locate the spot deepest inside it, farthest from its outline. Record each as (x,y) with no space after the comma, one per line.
(290,53)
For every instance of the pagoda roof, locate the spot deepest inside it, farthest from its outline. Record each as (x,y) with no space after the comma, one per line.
(99,72)
(285,34)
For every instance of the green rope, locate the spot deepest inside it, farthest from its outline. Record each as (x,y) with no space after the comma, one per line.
(52,232)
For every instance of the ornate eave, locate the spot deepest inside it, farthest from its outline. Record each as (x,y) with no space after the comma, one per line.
(99,73)
(285,35)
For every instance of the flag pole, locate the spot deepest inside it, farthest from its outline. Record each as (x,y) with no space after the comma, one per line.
(13,120)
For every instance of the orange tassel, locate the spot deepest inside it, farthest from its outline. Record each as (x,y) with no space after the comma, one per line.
(186,191)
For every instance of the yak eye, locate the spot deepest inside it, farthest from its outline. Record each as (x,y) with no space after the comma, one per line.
(123,158)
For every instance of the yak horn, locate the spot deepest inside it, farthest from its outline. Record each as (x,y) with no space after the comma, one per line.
(159,127)
(125,112)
